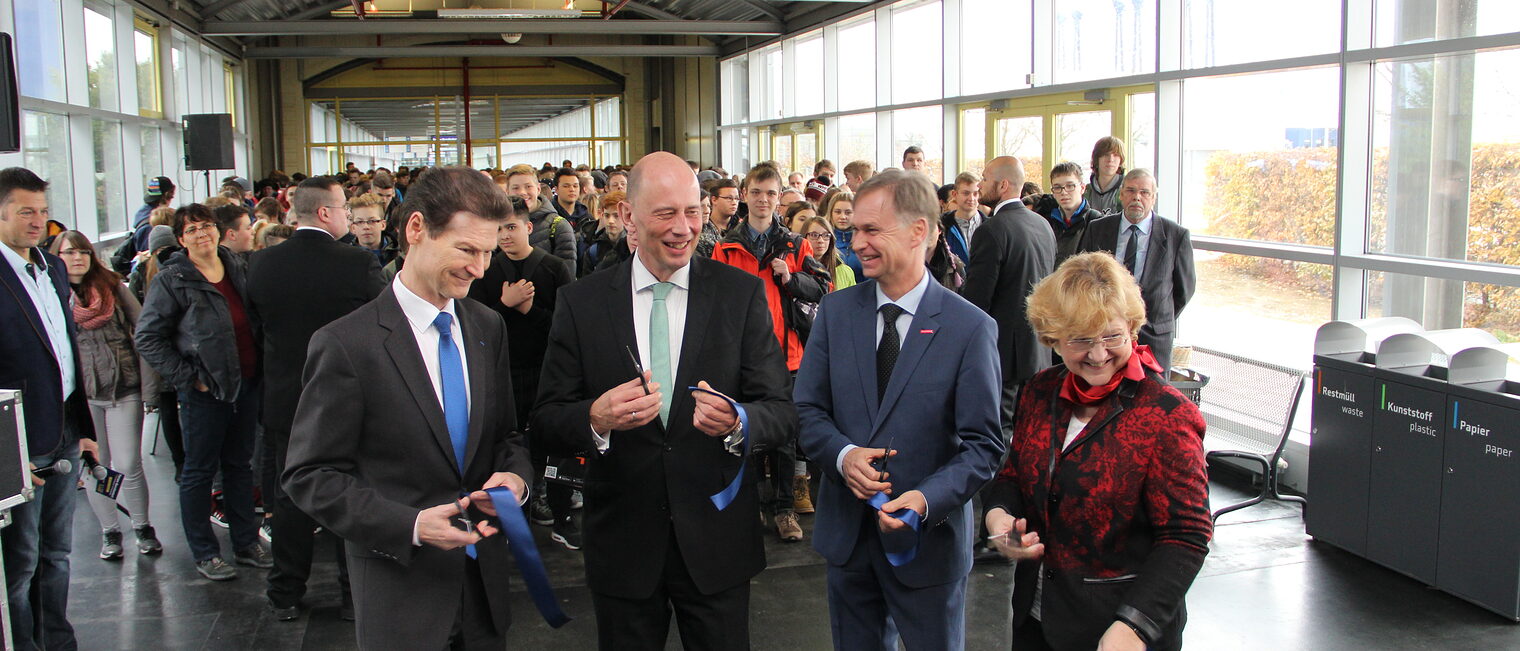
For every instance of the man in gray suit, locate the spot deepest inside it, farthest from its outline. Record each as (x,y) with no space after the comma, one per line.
(1156,250)
(405,418)
(1012,251)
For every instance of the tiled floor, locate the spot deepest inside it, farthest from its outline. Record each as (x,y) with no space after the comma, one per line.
(1265,586)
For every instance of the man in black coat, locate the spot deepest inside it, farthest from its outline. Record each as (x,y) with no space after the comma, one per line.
(405,419)
(1156,250)
(1013,249)
(296,288)
(656,539)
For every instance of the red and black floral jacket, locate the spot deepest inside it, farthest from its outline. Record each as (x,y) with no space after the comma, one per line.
(1122,511)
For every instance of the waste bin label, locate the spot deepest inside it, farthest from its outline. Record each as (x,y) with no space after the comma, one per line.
(1342,394)
(1411,412)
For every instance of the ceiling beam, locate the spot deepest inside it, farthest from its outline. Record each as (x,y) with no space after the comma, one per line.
(764,8)
(393,26)
(652,12)
(424,51)
(210,11)
(320,9)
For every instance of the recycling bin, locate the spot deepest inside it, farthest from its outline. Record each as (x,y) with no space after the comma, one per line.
(1340,445)
(1479,551)
(1408,433)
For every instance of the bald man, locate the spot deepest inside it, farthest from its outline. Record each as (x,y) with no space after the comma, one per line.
(1012,251)
(656,539)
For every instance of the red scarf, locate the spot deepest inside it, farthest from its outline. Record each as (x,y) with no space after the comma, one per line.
(91,316)
(1078,391)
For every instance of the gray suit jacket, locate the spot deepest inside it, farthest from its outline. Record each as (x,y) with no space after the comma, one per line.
(1013,249)
(1169,279)
(370,448)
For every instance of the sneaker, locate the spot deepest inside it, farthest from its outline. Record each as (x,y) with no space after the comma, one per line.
(255,556)
(787,526)
(538,510)
(147,541)
(567,533)
(218,516)
(801,503)
(577,501)
(216,569)
(266,531)
(110,546)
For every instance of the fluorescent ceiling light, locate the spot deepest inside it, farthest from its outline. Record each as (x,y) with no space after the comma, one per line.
(509,13)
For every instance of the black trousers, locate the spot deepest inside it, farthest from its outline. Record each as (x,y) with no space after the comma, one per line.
(1030,637)
(707,622)
(168,419)
(473,627)
(294,541)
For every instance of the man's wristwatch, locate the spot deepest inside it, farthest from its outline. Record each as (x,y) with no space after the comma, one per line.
(733,441)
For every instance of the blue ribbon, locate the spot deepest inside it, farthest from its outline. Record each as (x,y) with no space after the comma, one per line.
(520,541)
(908,516)
(725,497)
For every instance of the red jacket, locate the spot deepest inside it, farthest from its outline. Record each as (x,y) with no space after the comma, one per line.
(809,281)
(1125,517)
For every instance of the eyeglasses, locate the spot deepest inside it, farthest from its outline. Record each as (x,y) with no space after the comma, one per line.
(817,236)
(343,208)
(195,229)
(726,198)
(1064,188)
(1110,342)
(83,252)
(366,222)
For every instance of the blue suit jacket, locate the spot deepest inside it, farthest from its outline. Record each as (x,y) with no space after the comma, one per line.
(940,411)
(27,362)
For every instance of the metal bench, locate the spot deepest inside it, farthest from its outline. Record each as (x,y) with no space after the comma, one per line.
(1249,407)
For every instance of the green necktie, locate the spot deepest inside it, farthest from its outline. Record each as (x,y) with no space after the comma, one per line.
(659,348)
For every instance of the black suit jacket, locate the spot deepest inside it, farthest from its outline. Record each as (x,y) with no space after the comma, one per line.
(653,480)
(527,334)
(1168,281)
(370,448)
(1013,249)
(295,288)
(27,361)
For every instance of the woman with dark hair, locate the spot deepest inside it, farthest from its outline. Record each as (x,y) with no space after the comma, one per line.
(106,313)
(1107,171)
(797,215)
(196,331)
(1103,499)
(821,237)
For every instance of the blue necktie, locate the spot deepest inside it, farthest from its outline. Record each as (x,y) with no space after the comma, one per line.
(456,403)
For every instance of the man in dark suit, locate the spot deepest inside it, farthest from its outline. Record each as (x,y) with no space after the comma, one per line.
(405,418)
(901,362)
(1156,250)
(655,538)
(39,355)
(1012,251)
(295,289)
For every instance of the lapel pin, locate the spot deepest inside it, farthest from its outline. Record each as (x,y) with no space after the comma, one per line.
(926,332)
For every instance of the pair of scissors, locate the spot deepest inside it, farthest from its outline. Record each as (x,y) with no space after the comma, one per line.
(885,458)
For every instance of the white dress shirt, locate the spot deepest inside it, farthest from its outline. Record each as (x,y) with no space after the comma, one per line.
(642,294)
(1005,202)
(420,314)
(50,309)
(909,304)
(1144,243)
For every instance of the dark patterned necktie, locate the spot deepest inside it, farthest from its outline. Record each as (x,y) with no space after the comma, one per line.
(887,350)
(1132,248)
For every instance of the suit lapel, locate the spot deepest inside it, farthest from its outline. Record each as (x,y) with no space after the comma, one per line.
(481,369)
(921,332)
(864,331)
(1155,254)
(699,305)
(24,299)
(402,346)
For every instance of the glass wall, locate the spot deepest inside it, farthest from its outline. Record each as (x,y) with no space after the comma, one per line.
(1330,171)
(495,132)
(103,86)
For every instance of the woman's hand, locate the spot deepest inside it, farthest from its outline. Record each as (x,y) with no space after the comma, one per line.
(1120,637)
(1008,535)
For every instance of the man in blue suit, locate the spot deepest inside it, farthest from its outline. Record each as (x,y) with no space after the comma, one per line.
(901,362)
